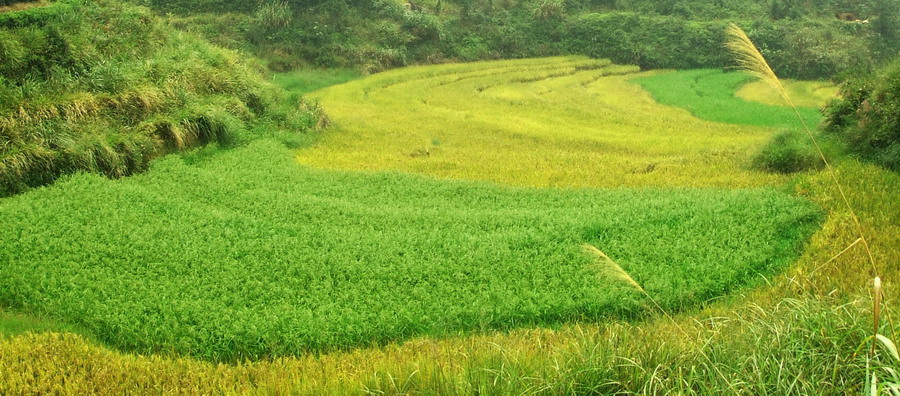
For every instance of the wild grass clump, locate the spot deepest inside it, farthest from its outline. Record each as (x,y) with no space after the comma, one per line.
(247,254)
(788,152)
(72,99)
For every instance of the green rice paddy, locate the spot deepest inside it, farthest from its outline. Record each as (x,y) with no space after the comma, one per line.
(246,253)
(263,250)
(710,94)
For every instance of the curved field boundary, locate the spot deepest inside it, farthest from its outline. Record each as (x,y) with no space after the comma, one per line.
(803,93)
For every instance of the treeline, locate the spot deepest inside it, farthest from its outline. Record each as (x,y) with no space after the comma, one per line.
(802,48)
(802,39)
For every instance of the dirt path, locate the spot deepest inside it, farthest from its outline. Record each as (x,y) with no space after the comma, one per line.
(23,6)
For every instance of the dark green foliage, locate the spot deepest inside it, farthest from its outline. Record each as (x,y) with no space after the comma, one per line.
(886,23)
(244,253)
(104,86)
(680,34)
(648,41)
(709,94)
(788,152)
(796,49)
(867,117)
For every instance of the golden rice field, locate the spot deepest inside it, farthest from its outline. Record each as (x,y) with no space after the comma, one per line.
(553,122)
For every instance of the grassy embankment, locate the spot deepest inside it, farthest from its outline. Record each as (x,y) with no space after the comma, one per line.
(105,87)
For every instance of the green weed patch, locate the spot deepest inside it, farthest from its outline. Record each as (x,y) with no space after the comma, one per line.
(247,254)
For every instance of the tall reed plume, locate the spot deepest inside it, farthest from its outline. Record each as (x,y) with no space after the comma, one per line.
(751,61)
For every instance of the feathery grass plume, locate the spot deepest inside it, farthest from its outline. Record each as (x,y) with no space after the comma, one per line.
(612,267)
(876,311)
(751,61)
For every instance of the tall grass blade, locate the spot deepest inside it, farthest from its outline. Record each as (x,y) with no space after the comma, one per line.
(613,268)
(889,345)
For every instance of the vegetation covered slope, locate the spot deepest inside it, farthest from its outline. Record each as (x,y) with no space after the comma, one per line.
(250,255)
(867,116)
(105,86)
(799,335)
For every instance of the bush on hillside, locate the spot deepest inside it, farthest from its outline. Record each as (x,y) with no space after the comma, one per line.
(867,117)
(788,152)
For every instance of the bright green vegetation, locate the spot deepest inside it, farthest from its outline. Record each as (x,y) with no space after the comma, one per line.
(710,95)
(216,253)
(536,122)
(104,86)
(303,81)
(247,254)
(803,93)
(811,321)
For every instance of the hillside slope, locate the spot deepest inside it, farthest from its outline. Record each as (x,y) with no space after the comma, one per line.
(106,86)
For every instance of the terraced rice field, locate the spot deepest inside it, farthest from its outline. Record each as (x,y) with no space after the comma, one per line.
(557,122)
(265,251)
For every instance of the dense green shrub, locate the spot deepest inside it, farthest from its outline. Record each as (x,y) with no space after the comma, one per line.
(648,41)
(868,116)
(806,42)
(788,152)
